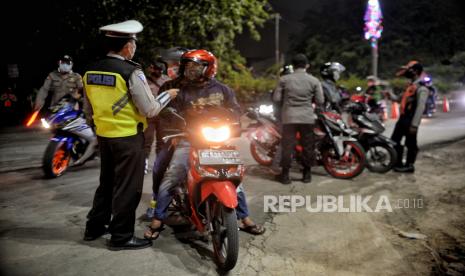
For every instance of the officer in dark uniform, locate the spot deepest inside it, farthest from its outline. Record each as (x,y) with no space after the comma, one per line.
(117,102)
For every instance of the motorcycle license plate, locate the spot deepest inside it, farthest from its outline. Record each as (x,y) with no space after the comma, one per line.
(219,157)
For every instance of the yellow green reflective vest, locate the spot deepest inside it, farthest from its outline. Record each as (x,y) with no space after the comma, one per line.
(106,86)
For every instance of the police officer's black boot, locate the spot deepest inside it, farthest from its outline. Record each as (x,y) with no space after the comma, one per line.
(307,175)
(284,177)
(409,168)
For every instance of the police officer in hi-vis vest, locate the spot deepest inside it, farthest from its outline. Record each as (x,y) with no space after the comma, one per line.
(117,102)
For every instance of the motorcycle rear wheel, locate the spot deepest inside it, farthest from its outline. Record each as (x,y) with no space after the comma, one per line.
(380,158)
(225,237)
(56,159)
(344,168)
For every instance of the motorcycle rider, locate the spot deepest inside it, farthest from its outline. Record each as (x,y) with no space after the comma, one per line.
(296,92)
(155,79)
(60,82)
(413,102)
(373,91)
(374,95)
(64,82)
(164,151)
(198,88)
(430,107)
(331,72)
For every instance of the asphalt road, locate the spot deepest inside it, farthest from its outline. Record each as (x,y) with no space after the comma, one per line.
(42,220)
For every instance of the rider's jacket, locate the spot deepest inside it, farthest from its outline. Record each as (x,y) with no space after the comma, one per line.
(192,96)
(59,85)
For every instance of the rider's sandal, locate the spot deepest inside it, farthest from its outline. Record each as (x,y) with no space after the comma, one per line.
(253,229)
(154,232)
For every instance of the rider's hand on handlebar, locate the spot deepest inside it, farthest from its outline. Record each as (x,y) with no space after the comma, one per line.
(173,92)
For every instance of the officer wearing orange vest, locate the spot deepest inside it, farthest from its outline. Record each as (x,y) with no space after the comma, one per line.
(412,104)
(117,102)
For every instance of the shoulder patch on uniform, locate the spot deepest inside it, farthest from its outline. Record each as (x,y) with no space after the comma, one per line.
(141,76)
(101,79)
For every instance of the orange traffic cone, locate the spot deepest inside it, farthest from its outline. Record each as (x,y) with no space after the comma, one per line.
(394,110)
(445,105)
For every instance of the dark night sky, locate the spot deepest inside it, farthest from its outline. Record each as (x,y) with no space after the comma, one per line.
(291,12)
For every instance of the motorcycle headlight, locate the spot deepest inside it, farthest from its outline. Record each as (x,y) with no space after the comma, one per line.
(45,124)
(216,135)
(265,109)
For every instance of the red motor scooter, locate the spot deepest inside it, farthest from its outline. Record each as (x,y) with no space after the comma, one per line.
(208,196)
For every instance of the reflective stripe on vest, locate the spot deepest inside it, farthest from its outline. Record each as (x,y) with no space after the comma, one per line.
(114,114)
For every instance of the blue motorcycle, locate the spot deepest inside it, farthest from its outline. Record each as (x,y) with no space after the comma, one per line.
(73,141)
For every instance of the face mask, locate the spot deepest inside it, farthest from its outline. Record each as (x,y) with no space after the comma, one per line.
(409,74)
(336,75)
(65,68)
(194,73)
(173,72)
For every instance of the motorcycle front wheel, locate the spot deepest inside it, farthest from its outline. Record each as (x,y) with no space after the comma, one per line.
(380,158)
(225,237)
(350,165)
(263,156)
(56,159)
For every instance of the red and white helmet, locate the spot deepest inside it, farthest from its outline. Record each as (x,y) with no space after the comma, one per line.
(203,57)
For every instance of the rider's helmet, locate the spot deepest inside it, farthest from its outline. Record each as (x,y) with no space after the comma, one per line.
(65,64)
(332,70)
(172,57)
(286,70)
(409,70)
(427,80)
(202,57)
(173,54)
(372,80)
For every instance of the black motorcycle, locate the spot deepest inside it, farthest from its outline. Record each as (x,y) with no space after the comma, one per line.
(381,155)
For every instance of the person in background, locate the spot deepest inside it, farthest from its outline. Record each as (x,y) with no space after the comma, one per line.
(331,72)
(155,79)
(60,83)
(412,105)
(430,107)
(296,91)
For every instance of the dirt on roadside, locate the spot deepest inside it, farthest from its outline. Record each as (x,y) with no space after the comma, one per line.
(439,181)
(423,234)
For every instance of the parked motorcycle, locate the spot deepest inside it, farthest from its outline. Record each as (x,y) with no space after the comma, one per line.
(264,135)
(335,148)
(381,155)
(374,107)
(68,142)
(208,196)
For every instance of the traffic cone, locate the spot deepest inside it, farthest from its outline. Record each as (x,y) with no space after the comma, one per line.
(394,110)
(445,105)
